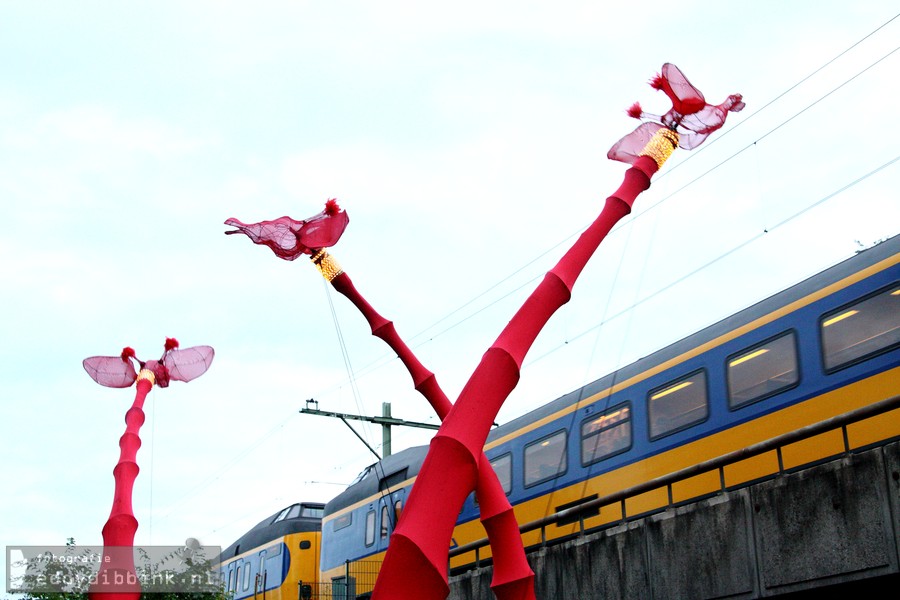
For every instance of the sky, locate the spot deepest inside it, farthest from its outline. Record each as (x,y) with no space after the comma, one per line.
(467,142)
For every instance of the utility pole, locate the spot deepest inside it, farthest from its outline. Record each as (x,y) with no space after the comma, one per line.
(385,420)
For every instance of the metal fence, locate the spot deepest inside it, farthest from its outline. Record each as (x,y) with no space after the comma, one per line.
(356,583)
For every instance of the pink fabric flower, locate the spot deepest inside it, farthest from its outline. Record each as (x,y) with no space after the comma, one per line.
(690,116)
(288,238)
(174,365)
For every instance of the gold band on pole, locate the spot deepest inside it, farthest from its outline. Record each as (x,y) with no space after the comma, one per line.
(148,375)
(661,146)
(328,266)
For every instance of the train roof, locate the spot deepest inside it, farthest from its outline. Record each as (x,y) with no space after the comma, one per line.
(377,477)
(861,260)
(406,464)
(296,518)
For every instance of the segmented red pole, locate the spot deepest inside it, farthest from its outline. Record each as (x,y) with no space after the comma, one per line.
(117,579)
(513,578)
(420,544)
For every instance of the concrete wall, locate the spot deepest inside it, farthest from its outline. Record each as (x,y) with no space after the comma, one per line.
(832,523)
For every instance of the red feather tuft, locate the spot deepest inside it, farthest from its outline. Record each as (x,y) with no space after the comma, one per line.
(171,344)
(657,82)
(634,111)
(331,207)
(127,353)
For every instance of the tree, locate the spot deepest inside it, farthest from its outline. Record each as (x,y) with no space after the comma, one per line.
(68,573)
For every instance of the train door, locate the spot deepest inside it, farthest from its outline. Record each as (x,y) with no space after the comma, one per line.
(259,584)
(389,508)
(229,578)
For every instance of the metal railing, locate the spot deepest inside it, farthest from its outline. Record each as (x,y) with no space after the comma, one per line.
(577,514)
(356,583)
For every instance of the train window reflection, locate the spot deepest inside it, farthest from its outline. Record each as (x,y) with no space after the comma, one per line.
(362,475)
(503,468)
(246,585)
(370,528)
(343,521)
(678,404)
(763,370)
(861,330)
(545,458)
(393,480)
(606,434)
(384,522)
(316,512)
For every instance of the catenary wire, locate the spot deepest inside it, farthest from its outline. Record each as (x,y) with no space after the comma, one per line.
(240,456)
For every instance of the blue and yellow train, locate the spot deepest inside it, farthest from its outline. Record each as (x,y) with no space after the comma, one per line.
(821,348)
(277,559)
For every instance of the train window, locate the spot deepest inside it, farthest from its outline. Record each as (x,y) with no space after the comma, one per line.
(230,580)
(545,458)
(861,330)
(385,522)
(294,512)
(343,521)
(503,468)
(247,577)
(281,516)
(370,528)
(393,480)
(362,474)
(314,512)
(398,506)
(763,370)
(678,404)
(606,434)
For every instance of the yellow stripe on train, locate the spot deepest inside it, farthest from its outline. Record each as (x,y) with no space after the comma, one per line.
(791,418)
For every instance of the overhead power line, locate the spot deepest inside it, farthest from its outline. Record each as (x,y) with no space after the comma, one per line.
(242,454)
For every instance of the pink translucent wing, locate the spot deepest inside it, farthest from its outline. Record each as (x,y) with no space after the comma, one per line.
(688,140)
(281,235)
(706,121)
(686,99)
(324,230)
(695,128)
(627,149)
(288,238)
(110,371)
(733,103)
(186,364)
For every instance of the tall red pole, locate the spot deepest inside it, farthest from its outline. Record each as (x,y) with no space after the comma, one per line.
(420,544)
(513,578)
(117,579)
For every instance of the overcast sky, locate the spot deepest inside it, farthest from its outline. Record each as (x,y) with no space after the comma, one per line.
(467,143)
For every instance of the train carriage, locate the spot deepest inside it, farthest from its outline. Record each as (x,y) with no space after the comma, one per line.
(371,506)
(823,347)
(278,559)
